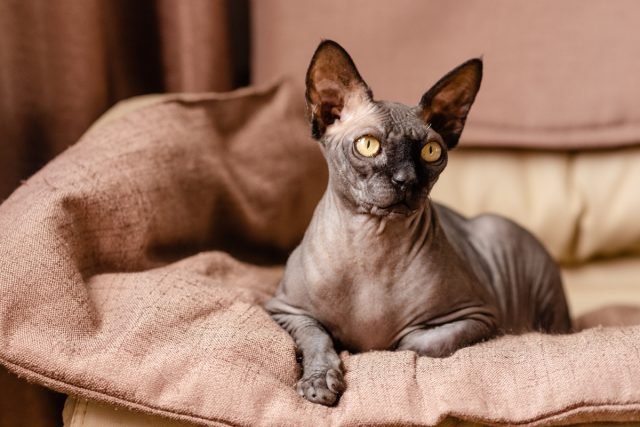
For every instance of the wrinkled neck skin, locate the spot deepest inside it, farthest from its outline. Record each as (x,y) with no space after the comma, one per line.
(337,212)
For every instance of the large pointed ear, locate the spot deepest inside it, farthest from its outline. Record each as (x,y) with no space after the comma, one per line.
(333,83)
(446,105)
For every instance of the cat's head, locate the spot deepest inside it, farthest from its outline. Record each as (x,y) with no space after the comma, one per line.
(384,157)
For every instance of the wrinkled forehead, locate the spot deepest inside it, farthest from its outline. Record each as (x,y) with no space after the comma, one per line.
(388,120)
(402,121)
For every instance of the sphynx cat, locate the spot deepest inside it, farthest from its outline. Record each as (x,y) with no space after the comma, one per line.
(381,266)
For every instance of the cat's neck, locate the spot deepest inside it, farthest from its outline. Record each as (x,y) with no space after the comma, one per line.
(337,215)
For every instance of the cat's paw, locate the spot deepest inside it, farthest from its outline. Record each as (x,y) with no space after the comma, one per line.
(322,387)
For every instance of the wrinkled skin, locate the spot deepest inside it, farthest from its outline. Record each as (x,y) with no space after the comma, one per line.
(381,267)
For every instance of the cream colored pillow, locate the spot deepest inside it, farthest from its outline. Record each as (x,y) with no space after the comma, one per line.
(582,205)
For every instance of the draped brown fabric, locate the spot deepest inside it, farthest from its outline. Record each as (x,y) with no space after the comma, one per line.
(64,63)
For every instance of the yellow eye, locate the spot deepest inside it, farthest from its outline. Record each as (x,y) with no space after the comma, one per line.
(368,146)
(431,152)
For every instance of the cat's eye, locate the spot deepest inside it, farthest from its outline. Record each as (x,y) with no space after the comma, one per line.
(431,152)
(367,145)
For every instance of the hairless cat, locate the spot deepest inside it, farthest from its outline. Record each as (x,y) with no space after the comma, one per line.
(381,266)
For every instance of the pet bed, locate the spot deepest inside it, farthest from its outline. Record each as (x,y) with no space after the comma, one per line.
(133,267)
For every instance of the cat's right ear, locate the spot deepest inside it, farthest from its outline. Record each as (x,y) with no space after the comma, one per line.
(333,84)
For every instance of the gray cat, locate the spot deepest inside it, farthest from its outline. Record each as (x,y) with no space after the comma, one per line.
(381,267)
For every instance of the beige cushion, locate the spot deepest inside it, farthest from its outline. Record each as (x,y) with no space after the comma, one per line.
(582,205)
(133,266)
(558,74)
(87,413)
(600,284)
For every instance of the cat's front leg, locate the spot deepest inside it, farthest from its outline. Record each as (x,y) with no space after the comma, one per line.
(444,340)
(322,378)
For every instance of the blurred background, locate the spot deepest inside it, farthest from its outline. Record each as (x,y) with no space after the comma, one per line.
(552,140)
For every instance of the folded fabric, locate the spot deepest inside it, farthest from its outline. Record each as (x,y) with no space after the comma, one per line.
(133,267)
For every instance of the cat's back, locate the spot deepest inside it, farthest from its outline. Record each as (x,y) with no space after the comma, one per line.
(514,265)
(485,232)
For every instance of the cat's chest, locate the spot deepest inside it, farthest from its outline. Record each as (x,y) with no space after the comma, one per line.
(367,307)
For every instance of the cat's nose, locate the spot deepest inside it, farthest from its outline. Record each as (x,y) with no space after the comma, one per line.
(404,177)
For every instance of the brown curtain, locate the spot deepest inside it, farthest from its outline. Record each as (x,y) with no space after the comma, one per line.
(64,62)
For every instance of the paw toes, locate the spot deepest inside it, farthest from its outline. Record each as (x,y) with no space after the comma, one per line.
(323,395)
(317,390)
(319,383)
(335,381)
(328,398)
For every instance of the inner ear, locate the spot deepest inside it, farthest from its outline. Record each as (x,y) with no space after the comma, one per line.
(445,106)
(333,82)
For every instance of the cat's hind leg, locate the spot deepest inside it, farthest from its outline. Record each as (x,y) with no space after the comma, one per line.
(443,340)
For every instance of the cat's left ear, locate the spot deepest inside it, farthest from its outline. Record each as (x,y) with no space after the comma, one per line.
(446,105)
(333,84)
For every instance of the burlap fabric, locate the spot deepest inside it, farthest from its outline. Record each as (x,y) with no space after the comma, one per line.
(132,269)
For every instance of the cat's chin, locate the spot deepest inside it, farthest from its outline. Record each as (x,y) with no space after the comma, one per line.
(397,209)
